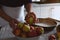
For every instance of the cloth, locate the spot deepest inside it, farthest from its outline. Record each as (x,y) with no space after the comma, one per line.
(14,12)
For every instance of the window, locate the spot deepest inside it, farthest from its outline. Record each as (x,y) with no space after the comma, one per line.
(35,0)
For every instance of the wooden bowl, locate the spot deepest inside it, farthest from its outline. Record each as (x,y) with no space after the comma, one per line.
(48,24)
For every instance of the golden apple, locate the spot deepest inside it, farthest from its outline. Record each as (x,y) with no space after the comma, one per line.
(20,25)
(26,28)
(31,20)
(39,30)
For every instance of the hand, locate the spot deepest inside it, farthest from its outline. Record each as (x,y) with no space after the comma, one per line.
(29,15)
(14,23)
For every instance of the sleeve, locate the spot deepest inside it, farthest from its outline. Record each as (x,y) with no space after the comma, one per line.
(0,1)
(27,1)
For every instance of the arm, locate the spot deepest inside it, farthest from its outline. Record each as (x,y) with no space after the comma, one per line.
(28,7)
(4,15)
(27,4)
(11,20)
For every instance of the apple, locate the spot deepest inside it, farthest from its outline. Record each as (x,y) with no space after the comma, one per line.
(39,30)
(52,37)
(26,28)
(32,33)
(20,25)
(16,32)
(30,18)
(32,28)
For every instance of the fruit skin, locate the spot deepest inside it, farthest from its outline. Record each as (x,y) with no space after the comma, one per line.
(52,37)
(32,33)
(20,25)
(30,18)
(39,30)
(26,28)
(16,32)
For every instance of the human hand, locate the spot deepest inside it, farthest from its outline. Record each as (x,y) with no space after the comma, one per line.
(14,23)
(30,18)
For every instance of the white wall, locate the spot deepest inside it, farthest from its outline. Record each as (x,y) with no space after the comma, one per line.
(47,10)
(41,10)
(56,12)
(50,10)
(36,9)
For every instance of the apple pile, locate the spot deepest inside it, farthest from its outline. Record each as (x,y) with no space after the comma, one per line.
(27,31)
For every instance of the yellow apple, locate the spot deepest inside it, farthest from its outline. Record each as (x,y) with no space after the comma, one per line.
(39,30)
(20,25)
(31,20)
(26,28)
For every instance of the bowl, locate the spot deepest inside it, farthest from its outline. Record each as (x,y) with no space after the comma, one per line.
(47,23)
(33,38)
(33,32)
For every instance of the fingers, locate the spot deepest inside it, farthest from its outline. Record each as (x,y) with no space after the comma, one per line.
(30,18)
(16,21)
(13,24)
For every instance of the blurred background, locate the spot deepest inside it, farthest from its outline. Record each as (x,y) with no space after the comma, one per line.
(42,9)
(46,8)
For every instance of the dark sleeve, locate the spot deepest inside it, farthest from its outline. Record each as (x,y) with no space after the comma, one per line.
(0,1)
(27,1)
